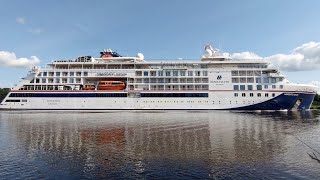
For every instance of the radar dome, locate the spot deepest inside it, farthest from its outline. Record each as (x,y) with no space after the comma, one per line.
(140,56)
(208,52)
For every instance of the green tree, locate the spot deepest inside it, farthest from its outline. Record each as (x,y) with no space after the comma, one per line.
(3,93)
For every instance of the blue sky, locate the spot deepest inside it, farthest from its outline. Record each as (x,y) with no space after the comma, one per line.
(159,29)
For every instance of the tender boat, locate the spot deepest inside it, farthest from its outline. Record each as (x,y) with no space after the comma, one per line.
(111,85)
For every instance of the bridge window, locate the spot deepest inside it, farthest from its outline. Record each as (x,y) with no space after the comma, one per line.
(281,86)
(265,86)
(235,87)
(242,87)
(250,87)
(273,86)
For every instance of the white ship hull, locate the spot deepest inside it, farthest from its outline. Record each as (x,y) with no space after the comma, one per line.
(215,101)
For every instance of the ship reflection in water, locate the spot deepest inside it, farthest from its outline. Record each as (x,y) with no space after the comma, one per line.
(162,144)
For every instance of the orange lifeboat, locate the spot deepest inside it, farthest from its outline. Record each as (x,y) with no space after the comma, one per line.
(88,87)
(111,85)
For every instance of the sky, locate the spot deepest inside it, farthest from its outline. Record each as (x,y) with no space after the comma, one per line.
(286,32)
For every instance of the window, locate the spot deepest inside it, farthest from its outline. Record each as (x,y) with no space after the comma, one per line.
(242,73)
(257,73)
(43,80)
(234,73)
(273,94)
(153,80)
(190,73)
(146,80)
(57,73)
(153,73)
(250,87)
(250,73)
(273,80)
(281,86)
(250,80)
(242,87)
(258,80)
(273,86)
(243,94)
(85,73)
(198,73)
(251,94)
(204,73)
(235,80)
(266,95)
(138,73)
(160,73)
(235,94)
(182,73)
(266,80)
(259,94)
(259,87)
(45,73)
(145,73)
(78,73)
(71,73)
(265,86)
(235,87)
(168,73)
(243,80)
(175,73)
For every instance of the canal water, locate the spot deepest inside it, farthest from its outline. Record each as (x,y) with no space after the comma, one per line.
(159,145)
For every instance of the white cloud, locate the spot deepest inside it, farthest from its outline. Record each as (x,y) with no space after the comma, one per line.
(21,20)
(303,58)
(9,59)
(35,30)
(245,55)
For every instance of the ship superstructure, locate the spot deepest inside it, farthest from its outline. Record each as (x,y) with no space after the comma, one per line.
(113,82)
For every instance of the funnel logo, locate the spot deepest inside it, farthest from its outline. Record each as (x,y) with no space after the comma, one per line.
(219,77)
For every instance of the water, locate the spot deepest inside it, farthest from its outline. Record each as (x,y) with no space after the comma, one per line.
(160,144)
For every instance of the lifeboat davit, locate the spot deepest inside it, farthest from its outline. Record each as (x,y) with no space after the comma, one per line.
(111,85)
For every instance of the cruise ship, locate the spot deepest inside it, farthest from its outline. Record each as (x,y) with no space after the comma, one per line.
(113,82)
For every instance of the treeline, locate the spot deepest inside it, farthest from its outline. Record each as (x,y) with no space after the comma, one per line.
(3,93)
(316,102)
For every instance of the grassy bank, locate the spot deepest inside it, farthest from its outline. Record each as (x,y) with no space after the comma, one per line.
(3,93)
